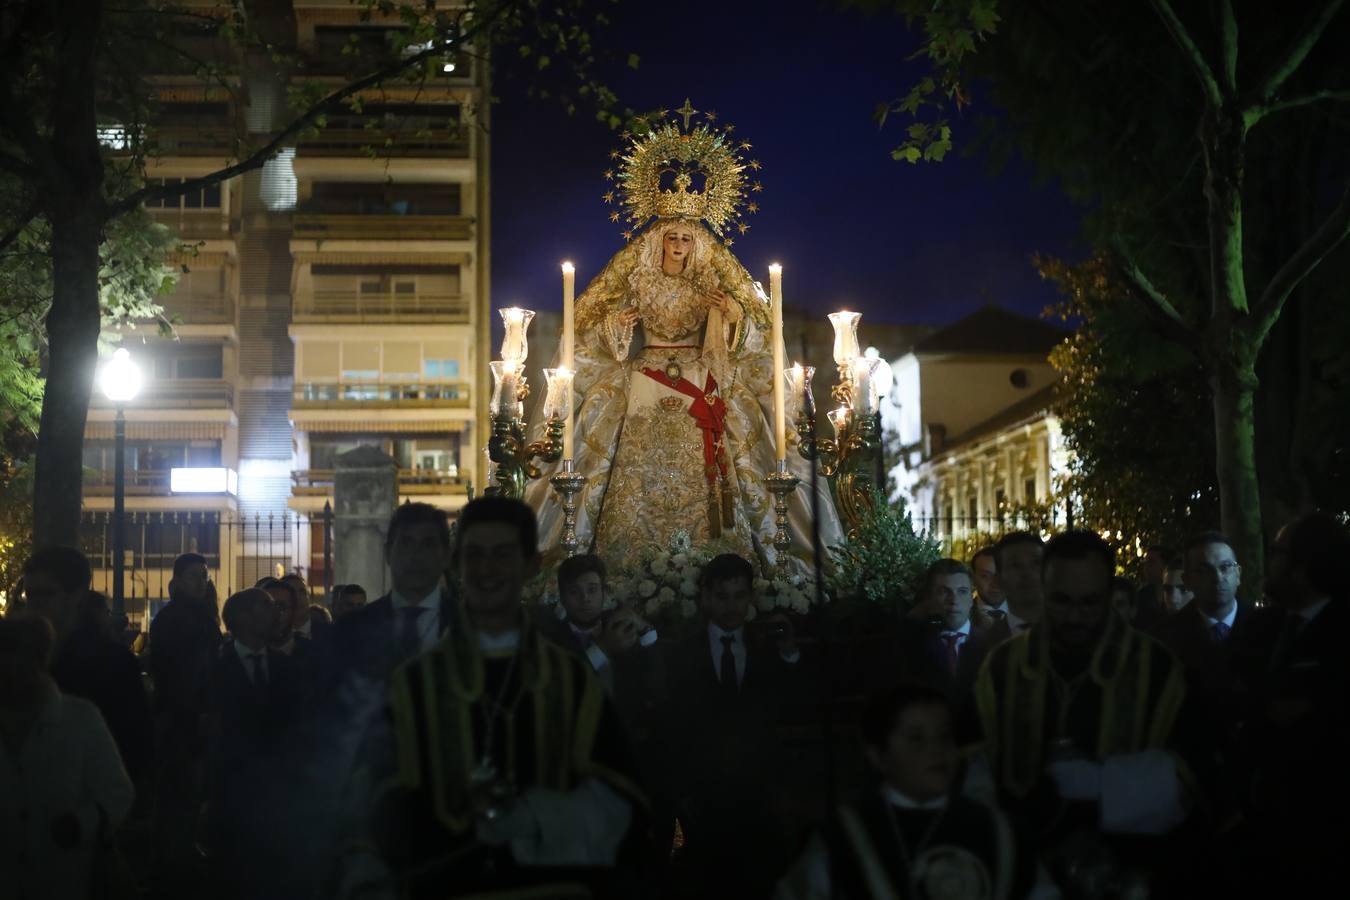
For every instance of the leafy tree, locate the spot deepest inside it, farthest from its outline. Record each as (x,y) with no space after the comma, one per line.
(1174,130)
(75,71)
(1132,410)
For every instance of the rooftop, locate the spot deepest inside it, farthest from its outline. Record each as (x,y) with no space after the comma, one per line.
(992,329)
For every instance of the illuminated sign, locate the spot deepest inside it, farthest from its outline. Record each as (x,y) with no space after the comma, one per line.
(203,481)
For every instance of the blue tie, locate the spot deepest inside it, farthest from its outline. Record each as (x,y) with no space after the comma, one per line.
(1220,632)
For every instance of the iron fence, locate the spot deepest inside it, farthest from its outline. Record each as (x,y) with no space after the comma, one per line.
(239,550)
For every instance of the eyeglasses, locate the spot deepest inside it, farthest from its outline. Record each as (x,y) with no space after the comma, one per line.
(1224,568)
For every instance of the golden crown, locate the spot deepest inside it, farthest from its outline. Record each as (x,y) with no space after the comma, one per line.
(671,148)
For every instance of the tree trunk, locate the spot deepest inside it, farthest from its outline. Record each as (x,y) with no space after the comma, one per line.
(1234,387)
(72,335)
(76,211)
(1231,354)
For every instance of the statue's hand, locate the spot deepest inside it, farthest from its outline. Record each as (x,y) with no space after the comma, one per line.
(629,316)
(718,299)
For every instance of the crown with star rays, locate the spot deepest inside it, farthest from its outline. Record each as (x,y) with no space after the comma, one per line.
(663,159)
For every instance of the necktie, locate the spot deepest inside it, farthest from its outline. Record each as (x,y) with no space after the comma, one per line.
(259,675)
(1220,632)
(409,631)
(729,684)
(953,641)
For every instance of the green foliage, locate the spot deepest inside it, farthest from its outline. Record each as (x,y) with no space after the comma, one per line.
(16,521)
(883,564)
(1134,413)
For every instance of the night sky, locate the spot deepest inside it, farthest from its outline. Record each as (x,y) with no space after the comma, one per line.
(852,228)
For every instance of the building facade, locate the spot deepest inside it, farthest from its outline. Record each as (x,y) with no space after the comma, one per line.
(979,447)
(331,300)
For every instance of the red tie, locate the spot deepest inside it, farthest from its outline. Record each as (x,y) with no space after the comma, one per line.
(953,641)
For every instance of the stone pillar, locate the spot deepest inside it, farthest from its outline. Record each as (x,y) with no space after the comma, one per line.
(365,493)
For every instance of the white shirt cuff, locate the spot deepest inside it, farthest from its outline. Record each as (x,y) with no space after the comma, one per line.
(792,657)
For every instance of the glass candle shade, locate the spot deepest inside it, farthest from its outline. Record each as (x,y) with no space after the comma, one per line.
(839,420)
(558,399)
(515,345)
(505,381)
(867,385)
(800,396)
(845,336)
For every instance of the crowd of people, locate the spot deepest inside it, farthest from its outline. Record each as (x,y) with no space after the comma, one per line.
(1033,726)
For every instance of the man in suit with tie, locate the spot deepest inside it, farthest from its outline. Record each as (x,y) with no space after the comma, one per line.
(930,651)
(732,685)
(411,618)
(989,597)
(1200,633)
(1018,558)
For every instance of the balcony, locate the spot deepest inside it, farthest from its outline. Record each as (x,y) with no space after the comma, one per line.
(198,308)
(137,483)
(329,226)
(193,224)
(337,307)
(408,395)
(392,142)
(319,482)
(181,393)
(213,139)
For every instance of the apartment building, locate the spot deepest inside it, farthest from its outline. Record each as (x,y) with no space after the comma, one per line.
(330,300)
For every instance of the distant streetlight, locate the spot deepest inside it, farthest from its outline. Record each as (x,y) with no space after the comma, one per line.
(120,380)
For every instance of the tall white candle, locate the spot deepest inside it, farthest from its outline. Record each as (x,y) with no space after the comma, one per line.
(569,274)
(779,408)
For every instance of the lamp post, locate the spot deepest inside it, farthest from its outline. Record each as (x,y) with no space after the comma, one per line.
(120,381)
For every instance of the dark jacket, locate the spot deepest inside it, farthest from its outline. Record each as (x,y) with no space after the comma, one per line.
(364,641)
(92,665)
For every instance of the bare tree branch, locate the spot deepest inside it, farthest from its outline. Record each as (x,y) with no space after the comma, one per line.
(1229,37)
(1182,38)
(1298,51)
(1160,309)
(1333,230)
(1254,114)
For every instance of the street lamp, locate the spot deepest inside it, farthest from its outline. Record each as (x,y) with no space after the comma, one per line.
(120,381)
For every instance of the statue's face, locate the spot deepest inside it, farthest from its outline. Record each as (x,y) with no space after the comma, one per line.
(678,244)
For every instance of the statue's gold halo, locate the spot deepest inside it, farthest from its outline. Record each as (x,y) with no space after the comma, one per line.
(688,152)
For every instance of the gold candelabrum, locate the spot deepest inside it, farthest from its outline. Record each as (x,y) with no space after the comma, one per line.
(852,457)
(513,456)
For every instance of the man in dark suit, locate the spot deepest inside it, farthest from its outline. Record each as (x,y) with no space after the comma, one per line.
(1200,633)
(184,638)
(411,618)
(251,697)
(1018,557)
(1296,731)
(731,686)
(930,651)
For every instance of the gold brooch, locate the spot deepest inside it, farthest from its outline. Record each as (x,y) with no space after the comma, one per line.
(673,370)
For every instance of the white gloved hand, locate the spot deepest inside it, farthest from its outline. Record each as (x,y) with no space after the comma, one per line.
(1076,779)
(515,821)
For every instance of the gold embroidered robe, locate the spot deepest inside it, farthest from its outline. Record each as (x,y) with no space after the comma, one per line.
(638,445)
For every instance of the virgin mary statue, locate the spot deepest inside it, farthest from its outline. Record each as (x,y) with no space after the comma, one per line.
(673,377)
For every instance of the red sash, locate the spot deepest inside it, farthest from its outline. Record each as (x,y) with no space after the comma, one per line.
(709,410)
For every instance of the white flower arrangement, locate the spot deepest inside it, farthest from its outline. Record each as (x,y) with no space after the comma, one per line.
(667,584)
